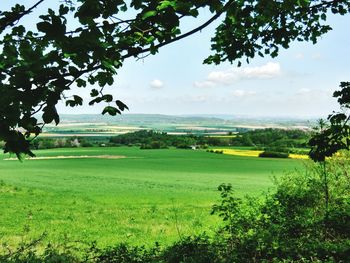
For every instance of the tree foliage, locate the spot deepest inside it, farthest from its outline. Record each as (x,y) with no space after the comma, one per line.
(273,138)
(291,223)
(333,135)
(38,65)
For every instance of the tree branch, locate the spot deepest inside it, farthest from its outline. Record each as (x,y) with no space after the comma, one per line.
(201,27)
(324,4)
(100,26)
(12,20)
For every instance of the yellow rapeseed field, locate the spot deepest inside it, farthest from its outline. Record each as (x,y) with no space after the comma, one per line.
(223,136)
(255,153)
(298,156)
(250,153)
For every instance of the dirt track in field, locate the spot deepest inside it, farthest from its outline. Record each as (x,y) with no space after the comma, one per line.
(71,157)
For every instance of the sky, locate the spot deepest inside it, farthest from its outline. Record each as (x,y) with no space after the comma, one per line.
(298,83)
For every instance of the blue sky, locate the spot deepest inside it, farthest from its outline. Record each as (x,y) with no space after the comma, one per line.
(299,82)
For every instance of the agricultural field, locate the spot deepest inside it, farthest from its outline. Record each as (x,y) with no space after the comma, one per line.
(246,151)
(97,125)
(123,194)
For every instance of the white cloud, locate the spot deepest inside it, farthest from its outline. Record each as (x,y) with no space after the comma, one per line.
(156,84)
(314,94)
(204,84)
(299,56)
(243,93)
(316,56)
(199,98)
(303,91)
(232,75)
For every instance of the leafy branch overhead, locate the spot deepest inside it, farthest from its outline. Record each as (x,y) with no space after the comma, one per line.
(38,65)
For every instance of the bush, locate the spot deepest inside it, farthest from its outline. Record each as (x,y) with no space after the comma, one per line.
(204,146)
(183,146)
(268,154)
(87,144)
(124,253)
(277,149)
(46,144)
(154,145)
(306,219)
(192,250)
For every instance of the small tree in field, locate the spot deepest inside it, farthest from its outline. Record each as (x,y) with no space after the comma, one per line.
(332,136)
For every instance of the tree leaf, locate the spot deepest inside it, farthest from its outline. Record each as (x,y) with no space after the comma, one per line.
(121,105)
(149,14)
(111,111)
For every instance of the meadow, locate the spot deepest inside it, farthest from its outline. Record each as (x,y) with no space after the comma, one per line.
(124,194)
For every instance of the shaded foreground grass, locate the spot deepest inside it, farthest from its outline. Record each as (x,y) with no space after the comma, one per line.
(152,195)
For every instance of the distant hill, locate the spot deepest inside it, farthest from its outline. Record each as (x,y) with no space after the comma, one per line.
(154,120)
(104,125)
(139,118)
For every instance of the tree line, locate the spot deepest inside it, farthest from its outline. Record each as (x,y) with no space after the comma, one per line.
(279,139)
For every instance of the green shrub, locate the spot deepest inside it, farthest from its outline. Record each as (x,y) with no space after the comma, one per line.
(124,253)
(198,249)
(298,222)
(183,146)
(277,149)
(269,154)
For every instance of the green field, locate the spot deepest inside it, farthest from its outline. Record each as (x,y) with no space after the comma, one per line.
(151,195)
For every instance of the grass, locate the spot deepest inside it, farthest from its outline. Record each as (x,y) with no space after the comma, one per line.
(152,195)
